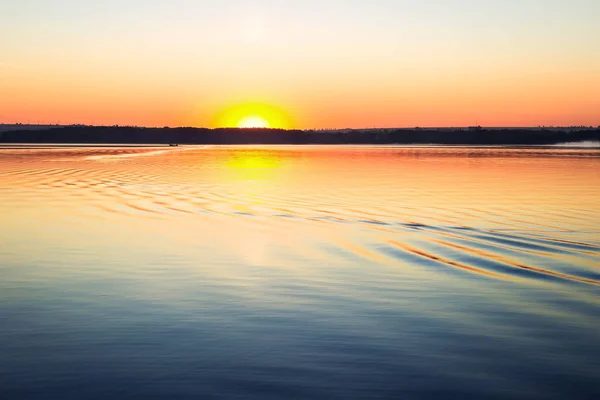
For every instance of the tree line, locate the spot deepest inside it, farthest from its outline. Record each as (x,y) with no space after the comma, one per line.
(453,136)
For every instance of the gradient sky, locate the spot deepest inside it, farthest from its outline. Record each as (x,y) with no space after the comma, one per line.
(327,63)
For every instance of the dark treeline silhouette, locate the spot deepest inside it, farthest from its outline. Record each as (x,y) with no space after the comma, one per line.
(455,136)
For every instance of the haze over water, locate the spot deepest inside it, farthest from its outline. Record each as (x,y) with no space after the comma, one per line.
(299,272)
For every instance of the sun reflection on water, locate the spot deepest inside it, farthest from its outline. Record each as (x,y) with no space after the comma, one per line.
(253,165)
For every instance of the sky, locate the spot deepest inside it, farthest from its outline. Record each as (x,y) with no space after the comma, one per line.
(301,63)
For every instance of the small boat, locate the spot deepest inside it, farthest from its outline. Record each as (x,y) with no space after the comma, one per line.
(173,144)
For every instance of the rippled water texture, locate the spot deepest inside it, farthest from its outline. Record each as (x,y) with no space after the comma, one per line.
(299,272)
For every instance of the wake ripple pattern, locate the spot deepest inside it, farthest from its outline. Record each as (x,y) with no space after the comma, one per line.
(550,234)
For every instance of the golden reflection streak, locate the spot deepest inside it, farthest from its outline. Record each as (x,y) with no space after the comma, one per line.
(257,169)
(250,160)
(254,171)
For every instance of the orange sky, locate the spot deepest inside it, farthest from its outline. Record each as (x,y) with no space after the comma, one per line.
(332,64)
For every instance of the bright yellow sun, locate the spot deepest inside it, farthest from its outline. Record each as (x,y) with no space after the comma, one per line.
(253,121)
(253,115)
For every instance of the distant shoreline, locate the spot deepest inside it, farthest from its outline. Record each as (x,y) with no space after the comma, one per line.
(110,136)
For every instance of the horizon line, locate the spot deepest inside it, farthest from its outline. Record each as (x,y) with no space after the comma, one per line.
(302,129)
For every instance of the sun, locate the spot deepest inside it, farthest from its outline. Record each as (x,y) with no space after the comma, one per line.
(253,121)
(253,115)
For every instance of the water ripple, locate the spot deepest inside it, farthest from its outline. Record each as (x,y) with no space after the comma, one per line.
(490,240)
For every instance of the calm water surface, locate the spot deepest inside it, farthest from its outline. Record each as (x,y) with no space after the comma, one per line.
(299,273)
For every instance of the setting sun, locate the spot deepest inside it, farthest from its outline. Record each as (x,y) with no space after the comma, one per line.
(253,121)
(253,115)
